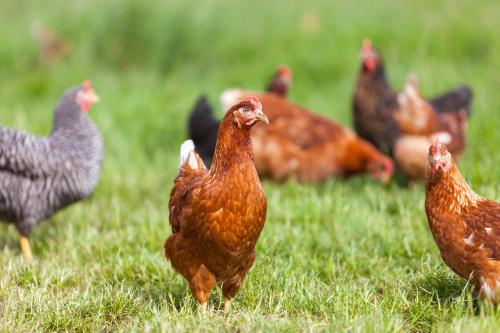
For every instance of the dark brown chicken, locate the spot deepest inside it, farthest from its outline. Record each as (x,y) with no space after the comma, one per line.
(465,226)
(374,102)
(217,215)
(280,82)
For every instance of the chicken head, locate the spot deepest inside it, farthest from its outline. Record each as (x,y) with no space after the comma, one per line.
(86,96)
(248,112)
(439,158)
(369,57)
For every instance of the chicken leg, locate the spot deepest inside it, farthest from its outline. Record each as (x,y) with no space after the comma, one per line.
(233,285)
(203,307)
(227,304)
(25,247)
(201,284)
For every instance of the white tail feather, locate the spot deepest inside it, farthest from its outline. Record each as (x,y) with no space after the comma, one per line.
(187,148)
(189,155)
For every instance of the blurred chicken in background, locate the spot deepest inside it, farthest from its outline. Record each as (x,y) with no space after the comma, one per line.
(302,145)
(203,126)
(52,47)
(404,124)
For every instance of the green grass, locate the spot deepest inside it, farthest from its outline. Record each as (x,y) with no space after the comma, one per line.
(349,255)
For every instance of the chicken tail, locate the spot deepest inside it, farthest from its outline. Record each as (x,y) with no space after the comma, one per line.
(203,128)
(189,156)
(454,100)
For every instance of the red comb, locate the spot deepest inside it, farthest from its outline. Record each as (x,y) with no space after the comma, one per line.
(254,102)
(434,149)
(367,45)
(86,85)
(284,70)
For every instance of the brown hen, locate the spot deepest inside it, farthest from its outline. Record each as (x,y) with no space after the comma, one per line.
(217,215)
(465,226)
(305,146)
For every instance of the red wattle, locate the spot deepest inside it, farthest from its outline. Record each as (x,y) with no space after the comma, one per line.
(86,106)
(370,64)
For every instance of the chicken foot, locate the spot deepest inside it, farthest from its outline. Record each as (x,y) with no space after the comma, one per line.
(201,284)
(25,247)
(227,304)
(231,287)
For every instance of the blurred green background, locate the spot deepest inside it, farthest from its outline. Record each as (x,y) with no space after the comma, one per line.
(346,255)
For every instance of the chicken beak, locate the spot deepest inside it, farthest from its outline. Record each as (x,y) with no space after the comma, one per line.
(261,116)
(92,97)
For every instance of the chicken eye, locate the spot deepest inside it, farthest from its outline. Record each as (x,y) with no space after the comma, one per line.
(245,109)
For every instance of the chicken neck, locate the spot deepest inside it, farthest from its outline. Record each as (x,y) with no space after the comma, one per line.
(233,150)
(449,192)
(375,81)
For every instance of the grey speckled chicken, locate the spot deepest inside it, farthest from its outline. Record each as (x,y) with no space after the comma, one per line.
(41,175)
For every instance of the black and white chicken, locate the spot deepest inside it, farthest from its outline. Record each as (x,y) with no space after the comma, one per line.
(41,175)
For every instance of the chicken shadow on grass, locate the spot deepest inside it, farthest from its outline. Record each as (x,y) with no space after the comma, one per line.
(174,295)
(443,288)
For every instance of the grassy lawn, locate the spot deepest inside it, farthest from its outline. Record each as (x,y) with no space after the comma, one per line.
(347,255)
